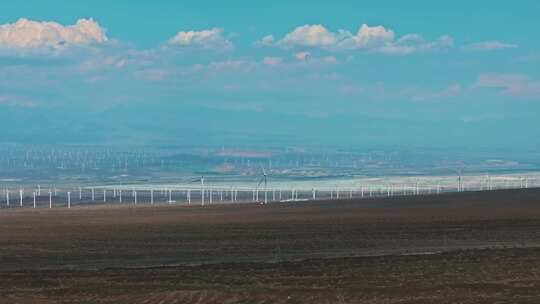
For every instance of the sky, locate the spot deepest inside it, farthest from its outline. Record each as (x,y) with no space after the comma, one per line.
(350,74)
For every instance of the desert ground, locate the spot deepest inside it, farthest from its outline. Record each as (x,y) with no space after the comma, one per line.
(475,247)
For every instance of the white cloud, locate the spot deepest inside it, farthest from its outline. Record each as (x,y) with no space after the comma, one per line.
(303,56)
(272,60)
(309,35)
(489,46)
(515,85)
(28,34)
(267,40)
(206,39)
(367,38)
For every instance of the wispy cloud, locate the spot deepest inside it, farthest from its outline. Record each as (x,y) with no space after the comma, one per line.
(485,46)
(414,43)
(515,85)
(272,60)
(15,101)
(349,90)
(153,74)
(448,92)
(234,65)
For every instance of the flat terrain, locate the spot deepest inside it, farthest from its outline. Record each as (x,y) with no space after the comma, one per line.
(453,248)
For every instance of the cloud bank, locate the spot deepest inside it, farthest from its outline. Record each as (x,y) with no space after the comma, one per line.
(367,38)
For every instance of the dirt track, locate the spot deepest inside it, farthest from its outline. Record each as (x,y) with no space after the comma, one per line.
(433,249)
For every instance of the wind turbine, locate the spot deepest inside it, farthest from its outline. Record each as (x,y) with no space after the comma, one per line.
(201,179)
(459,172)
(460,181)
(264,179)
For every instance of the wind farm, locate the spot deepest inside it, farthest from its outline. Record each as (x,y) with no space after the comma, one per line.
(227,192)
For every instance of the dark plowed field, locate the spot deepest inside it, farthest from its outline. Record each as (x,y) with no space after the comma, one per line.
(454,248)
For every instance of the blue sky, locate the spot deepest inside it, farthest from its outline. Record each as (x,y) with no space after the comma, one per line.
(423,73)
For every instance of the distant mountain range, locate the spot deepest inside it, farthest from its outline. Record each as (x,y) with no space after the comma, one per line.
(185,125)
